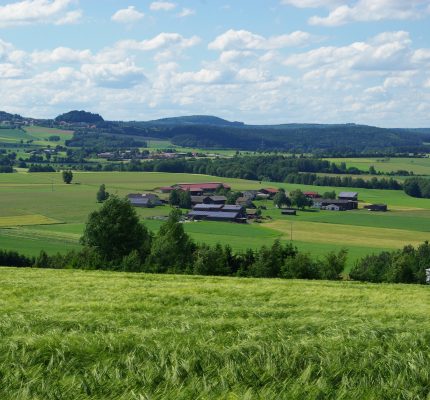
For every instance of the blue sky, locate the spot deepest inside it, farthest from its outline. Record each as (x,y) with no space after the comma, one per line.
(272,61)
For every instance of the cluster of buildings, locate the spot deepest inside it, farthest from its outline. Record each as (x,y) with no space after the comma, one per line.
(344,202)
(209,205)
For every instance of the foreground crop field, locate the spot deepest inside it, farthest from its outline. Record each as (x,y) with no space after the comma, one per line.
(98,335)
(38,211)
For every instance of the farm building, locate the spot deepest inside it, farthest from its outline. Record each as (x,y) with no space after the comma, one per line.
(208,207)
(288,211)
(244,201)
(197,189)
(270,192)
(312,195)
(208,200)
(250,194)
(252,213)
(337,205)
(377,207)
(144,200)
(218,212)
(352,196)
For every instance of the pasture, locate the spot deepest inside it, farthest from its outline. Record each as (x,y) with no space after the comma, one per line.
(100,335)
(420,166)
(38,211)
(39,135)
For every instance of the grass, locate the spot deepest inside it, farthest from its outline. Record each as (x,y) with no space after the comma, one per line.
(420,166)
(22,220)
(99,335)
(44,194)
(38,134)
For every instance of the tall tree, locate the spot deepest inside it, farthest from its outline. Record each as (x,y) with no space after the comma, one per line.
(102,195)
(67,176)
(172,249)
(115,231)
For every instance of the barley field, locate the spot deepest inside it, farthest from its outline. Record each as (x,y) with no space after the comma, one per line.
(100,335)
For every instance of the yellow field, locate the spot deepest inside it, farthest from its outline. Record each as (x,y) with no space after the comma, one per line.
(348,235)
(24,220)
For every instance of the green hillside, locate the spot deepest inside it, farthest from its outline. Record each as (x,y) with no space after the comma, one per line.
(38,211)
(97,335)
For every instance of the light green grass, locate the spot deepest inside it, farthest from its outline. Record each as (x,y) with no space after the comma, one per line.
(38,134)
(419,166)
(45,194)
(99,335)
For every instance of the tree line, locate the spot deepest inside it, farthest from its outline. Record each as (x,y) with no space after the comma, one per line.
(344,181)
(417,187)
(115,239)
(401,266)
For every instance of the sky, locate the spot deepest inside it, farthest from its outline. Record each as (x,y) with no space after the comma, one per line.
(256,61)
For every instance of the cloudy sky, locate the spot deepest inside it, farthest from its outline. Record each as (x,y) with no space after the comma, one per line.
(258,61)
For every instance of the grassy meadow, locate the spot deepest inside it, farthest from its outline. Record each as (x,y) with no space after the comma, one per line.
(98,335)
(420,166)
(37,210)
(39,135)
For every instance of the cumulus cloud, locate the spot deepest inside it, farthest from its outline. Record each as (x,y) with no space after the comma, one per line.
(343,12)
(121,75)
(386,51)
(39,11)
(376,81)
(162,40)
(186,12)
(242,39)
(162,6)
(127,15)
(61,55)
(312,3)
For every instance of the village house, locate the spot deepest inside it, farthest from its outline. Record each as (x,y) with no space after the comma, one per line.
(377,207)
(338,205)
(250,194)
(146,200)
(218,212)
(269,192)
(244,202)
(208,200)
(351,196)
(312,195)
(289,211)
(196,189)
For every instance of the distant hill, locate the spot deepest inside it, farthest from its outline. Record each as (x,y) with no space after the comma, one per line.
(195,120)
(79,116)
(4,116)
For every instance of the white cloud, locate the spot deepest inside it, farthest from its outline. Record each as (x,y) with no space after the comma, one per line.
(186,12)
(127,15)
(386,51)
(383,80)
(312,3)
(160,41)
(61,55)
(116,76)
(242,39)
(162,6)
(367,10)
(39,11)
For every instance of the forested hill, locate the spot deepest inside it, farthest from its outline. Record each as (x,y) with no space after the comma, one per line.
(194,120)
(343,139)
(210,132)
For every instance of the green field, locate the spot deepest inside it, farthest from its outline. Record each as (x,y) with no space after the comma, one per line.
(100,335)
(420,166)
(38,134)
(39,211)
